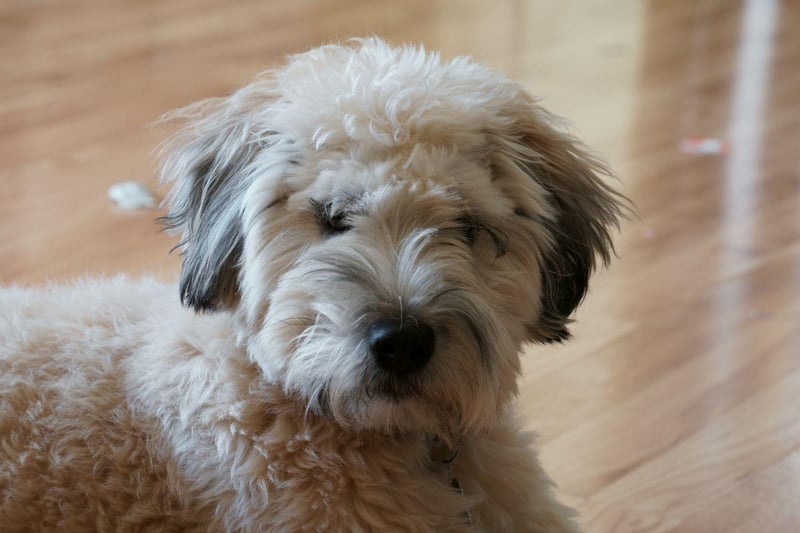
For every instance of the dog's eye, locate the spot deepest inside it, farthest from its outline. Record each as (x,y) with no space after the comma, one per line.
(520,212)
(469,228)
(337,223)
(331,221)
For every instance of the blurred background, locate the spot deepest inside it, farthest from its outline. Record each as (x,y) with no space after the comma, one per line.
(675,408)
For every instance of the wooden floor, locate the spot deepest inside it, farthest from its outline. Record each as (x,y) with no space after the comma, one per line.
(677,406)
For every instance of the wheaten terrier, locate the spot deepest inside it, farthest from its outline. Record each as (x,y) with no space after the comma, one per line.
(370,235)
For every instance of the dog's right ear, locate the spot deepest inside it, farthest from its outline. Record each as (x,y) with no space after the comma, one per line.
(208,164)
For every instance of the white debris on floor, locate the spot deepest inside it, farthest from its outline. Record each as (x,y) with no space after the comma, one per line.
(704,146)
(132,195)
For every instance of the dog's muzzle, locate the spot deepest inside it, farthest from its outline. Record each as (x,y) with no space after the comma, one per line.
(401,347)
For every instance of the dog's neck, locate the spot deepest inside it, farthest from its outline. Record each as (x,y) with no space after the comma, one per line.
(251,423)
(445,455)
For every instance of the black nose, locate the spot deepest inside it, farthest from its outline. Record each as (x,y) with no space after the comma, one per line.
(401,347)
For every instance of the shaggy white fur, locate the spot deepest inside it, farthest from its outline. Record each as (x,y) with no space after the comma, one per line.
(370,234)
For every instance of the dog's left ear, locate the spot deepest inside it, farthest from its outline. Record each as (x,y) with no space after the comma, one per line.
(207,162)
(576,209)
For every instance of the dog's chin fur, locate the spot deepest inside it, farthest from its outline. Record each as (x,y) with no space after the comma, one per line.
(358,183)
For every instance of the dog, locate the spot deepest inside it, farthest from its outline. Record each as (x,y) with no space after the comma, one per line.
(369,235)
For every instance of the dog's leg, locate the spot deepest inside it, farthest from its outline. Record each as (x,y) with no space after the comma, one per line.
(518,496)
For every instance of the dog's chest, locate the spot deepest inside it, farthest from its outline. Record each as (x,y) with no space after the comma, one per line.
(323,482)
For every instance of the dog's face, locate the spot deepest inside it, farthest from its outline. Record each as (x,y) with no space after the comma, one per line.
(390,228)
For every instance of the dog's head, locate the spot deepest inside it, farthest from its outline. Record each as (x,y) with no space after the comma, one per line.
(390,227)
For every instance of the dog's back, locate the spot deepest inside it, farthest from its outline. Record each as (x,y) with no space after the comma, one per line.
(66,429)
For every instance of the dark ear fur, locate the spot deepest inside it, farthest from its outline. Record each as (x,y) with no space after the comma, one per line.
(207,163)
(567,266)
(583,211)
